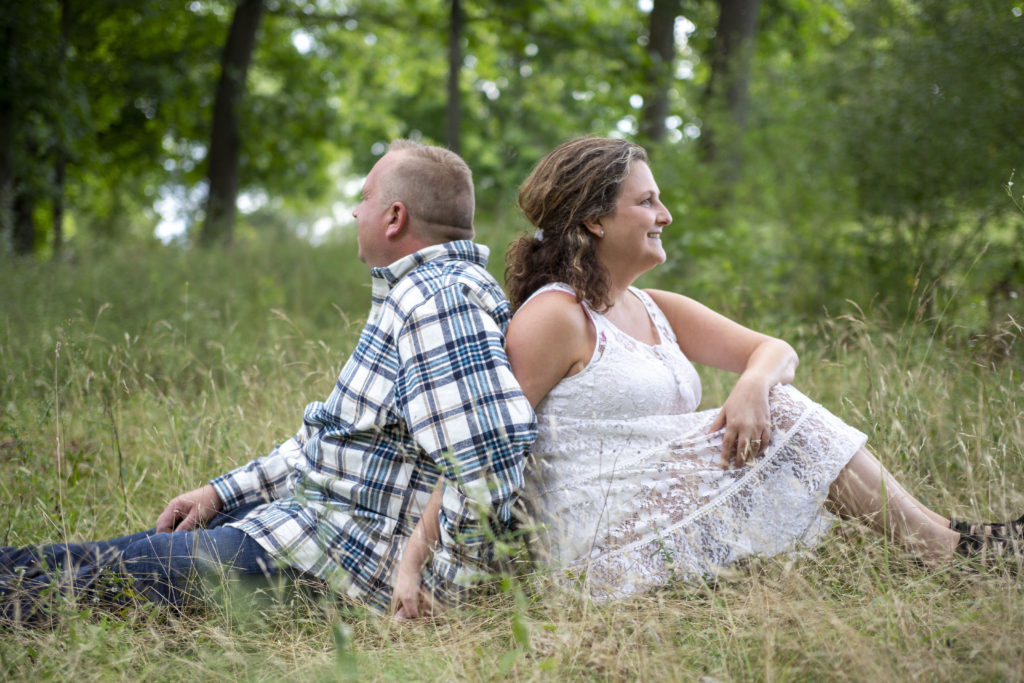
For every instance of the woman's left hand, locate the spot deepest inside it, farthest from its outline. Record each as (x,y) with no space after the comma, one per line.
(747,422)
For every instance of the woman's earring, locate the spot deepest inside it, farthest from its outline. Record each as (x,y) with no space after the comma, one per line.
(601,233)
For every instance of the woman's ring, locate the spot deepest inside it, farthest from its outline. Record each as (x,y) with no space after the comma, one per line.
(756,442)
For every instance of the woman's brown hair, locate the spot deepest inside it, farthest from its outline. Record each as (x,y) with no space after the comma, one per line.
(578,181)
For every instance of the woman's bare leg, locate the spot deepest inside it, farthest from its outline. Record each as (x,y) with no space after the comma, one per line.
(865,490)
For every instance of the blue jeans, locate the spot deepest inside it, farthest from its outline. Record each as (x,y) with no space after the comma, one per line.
(162,567)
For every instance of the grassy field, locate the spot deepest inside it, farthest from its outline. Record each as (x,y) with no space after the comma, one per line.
(132,376)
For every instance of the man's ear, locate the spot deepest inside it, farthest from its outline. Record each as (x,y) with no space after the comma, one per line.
(396,220)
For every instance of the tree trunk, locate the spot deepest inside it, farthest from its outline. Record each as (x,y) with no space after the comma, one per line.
(659,68)
(727,98)
(454,118)
(24,238)
(60,156)
(60,163)
(6,134)
(219,226)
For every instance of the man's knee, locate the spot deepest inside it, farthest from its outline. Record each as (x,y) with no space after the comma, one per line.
(160,565)
(173,567)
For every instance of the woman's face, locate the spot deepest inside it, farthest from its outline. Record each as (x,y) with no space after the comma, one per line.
(631,243)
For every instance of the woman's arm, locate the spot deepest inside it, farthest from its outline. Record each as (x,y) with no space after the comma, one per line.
(548,339)
(409,599)
(712,339)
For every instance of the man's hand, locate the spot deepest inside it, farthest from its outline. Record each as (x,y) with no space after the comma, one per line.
(189,510)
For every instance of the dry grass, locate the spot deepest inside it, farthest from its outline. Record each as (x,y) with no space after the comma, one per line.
(109,406)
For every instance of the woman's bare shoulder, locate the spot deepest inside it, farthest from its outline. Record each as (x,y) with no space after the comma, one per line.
(552,313)
(550,337)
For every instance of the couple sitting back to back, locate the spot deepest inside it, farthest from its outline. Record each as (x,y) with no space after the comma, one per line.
(389,489)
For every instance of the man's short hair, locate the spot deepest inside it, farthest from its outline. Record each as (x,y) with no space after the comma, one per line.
(436,187)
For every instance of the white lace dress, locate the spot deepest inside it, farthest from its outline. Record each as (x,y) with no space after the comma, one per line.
(626,481)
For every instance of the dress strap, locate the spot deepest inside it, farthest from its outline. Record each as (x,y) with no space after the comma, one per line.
(657,315)
(551,287)
(565,289)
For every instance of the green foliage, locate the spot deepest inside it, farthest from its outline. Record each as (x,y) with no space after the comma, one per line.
(543,72)
(126,88)
(874,167)
(881,133)
(928,101)
(930,96)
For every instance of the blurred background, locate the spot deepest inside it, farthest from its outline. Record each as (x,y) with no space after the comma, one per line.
(813,153)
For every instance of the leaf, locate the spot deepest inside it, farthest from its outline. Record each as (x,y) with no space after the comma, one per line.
(507,661)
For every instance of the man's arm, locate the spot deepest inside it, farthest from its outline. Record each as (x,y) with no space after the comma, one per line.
(262,479)
(464,408)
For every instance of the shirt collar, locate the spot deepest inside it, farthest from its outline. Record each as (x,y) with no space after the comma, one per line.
(386,277)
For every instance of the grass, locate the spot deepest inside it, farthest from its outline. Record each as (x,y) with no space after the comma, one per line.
(130,376)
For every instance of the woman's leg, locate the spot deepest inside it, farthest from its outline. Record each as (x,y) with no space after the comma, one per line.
(865,490)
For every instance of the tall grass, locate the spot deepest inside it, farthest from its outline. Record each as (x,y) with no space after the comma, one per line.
(131,376)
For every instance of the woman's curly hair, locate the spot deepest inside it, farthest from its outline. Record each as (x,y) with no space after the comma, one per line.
(578,181)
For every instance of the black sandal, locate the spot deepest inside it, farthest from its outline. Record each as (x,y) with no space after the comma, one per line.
(1002,539)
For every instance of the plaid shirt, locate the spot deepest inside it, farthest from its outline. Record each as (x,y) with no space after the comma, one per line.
(427,392)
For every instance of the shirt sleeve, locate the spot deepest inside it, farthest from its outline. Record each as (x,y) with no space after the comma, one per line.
(458,396)
(262,479)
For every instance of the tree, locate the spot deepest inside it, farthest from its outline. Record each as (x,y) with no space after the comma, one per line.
(25,115)
(454,118)
(659,68)
(930,95)
(60,152)
(130,119)
(726,102)
(98,91)
(224,136)
(6,133)
(536,73)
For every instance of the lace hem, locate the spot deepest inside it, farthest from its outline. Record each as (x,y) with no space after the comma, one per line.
(637,530)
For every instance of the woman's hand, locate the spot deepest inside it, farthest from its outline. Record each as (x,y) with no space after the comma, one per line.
(409,599)
(747,421)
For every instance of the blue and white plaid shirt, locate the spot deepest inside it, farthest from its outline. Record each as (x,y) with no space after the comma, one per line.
(428,391)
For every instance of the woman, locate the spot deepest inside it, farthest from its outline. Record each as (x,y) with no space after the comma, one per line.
(632,486)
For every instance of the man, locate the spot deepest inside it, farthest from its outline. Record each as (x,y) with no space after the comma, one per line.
(426,403)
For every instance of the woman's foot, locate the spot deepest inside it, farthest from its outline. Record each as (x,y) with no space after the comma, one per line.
(1005,539)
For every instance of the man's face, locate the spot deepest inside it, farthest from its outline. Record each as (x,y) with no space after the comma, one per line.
(372,216)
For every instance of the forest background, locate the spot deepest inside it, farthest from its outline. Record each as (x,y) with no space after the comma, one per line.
(811,152)
(178,277)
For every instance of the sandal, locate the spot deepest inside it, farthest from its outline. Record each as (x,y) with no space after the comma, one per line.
(989,538)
